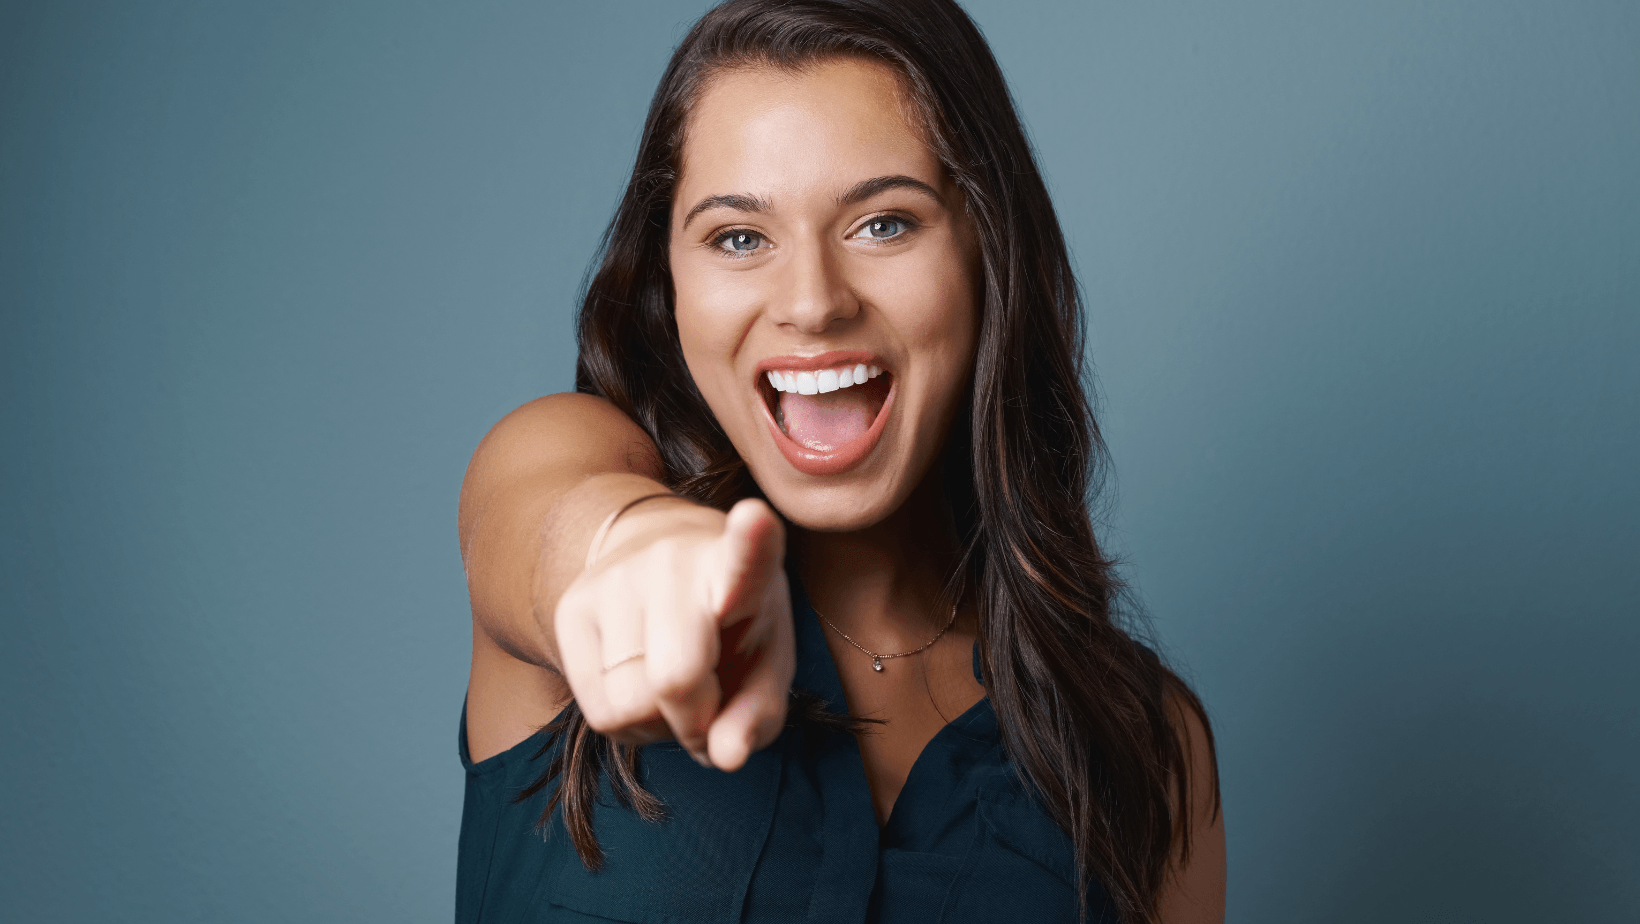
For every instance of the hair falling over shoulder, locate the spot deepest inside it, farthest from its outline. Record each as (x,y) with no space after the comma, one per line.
(1087,711)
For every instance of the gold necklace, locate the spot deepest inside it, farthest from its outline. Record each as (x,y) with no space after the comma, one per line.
(877,659)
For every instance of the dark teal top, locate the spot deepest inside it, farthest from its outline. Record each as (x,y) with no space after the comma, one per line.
(792,836)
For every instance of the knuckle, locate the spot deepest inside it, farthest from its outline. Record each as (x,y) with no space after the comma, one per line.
(673,685)
(675,676)
(613,720)
(597,718)
(617,617)
(607,726)
(621,719)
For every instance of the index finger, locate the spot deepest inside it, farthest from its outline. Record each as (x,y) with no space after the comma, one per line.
(753,546)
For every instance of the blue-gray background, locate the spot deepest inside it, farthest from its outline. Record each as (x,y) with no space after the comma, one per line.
(1365,303)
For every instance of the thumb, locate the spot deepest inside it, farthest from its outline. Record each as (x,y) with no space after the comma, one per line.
(751,550)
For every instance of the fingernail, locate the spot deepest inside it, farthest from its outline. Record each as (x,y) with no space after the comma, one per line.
(700,758)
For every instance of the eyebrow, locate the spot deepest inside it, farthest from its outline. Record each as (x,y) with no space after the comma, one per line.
(740,202)
(865,189)
(857,193)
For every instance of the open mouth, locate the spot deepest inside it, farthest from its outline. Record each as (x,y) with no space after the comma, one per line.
(825,412)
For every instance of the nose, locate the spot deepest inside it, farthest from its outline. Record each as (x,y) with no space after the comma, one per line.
(814,293)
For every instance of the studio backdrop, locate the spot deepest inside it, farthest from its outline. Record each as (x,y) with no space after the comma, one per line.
(1364,308)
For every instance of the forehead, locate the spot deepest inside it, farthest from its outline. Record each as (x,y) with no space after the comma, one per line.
(764,130)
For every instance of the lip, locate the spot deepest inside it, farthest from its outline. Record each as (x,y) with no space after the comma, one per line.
(843,458)
(819,361)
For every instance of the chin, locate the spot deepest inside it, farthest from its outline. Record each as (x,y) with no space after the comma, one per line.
(832,508)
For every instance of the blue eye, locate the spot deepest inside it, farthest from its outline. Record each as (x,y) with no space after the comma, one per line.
(883,228)
(740,241)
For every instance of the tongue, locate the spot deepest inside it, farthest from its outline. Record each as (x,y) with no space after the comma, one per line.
(825,422)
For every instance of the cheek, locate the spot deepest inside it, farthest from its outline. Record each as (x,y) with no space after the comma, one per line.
(711,324)
(939,319)
(701,337)
(933,308)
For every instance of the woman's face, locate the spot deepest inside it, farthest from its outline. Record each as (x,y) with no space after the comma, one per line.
(817,243)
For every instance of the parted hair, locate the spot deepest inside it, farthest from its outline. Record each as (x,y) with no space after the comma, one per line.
(1090,716)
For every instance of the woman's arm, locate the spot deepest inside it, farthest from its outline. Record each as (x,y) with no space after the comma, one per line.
(540,485)
(1194,893)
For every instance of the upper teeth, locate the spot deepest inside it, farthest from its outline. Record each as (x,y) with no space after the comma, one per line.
(823,380)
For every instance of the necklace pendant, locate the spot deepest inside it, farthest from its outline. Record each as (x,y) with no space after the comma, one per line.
(876,664)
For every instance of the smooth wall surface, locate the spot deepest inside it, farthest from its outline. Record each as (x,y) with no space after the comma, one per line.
(1364,288)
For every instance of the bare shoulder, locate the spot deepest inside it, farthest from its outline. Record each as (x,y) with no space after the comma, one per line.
(1195,890)
(1200,752)
(558,439)
(572,430)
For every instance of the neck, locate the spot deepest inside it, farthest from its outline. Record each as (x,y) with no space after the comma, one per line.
(887,581)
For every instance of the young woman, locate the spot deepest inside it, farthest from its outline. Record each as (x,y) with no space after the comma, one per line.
(794,611)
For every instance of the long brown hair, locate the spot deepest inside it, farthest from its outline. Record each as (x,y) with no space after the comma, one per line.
(1087,713)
